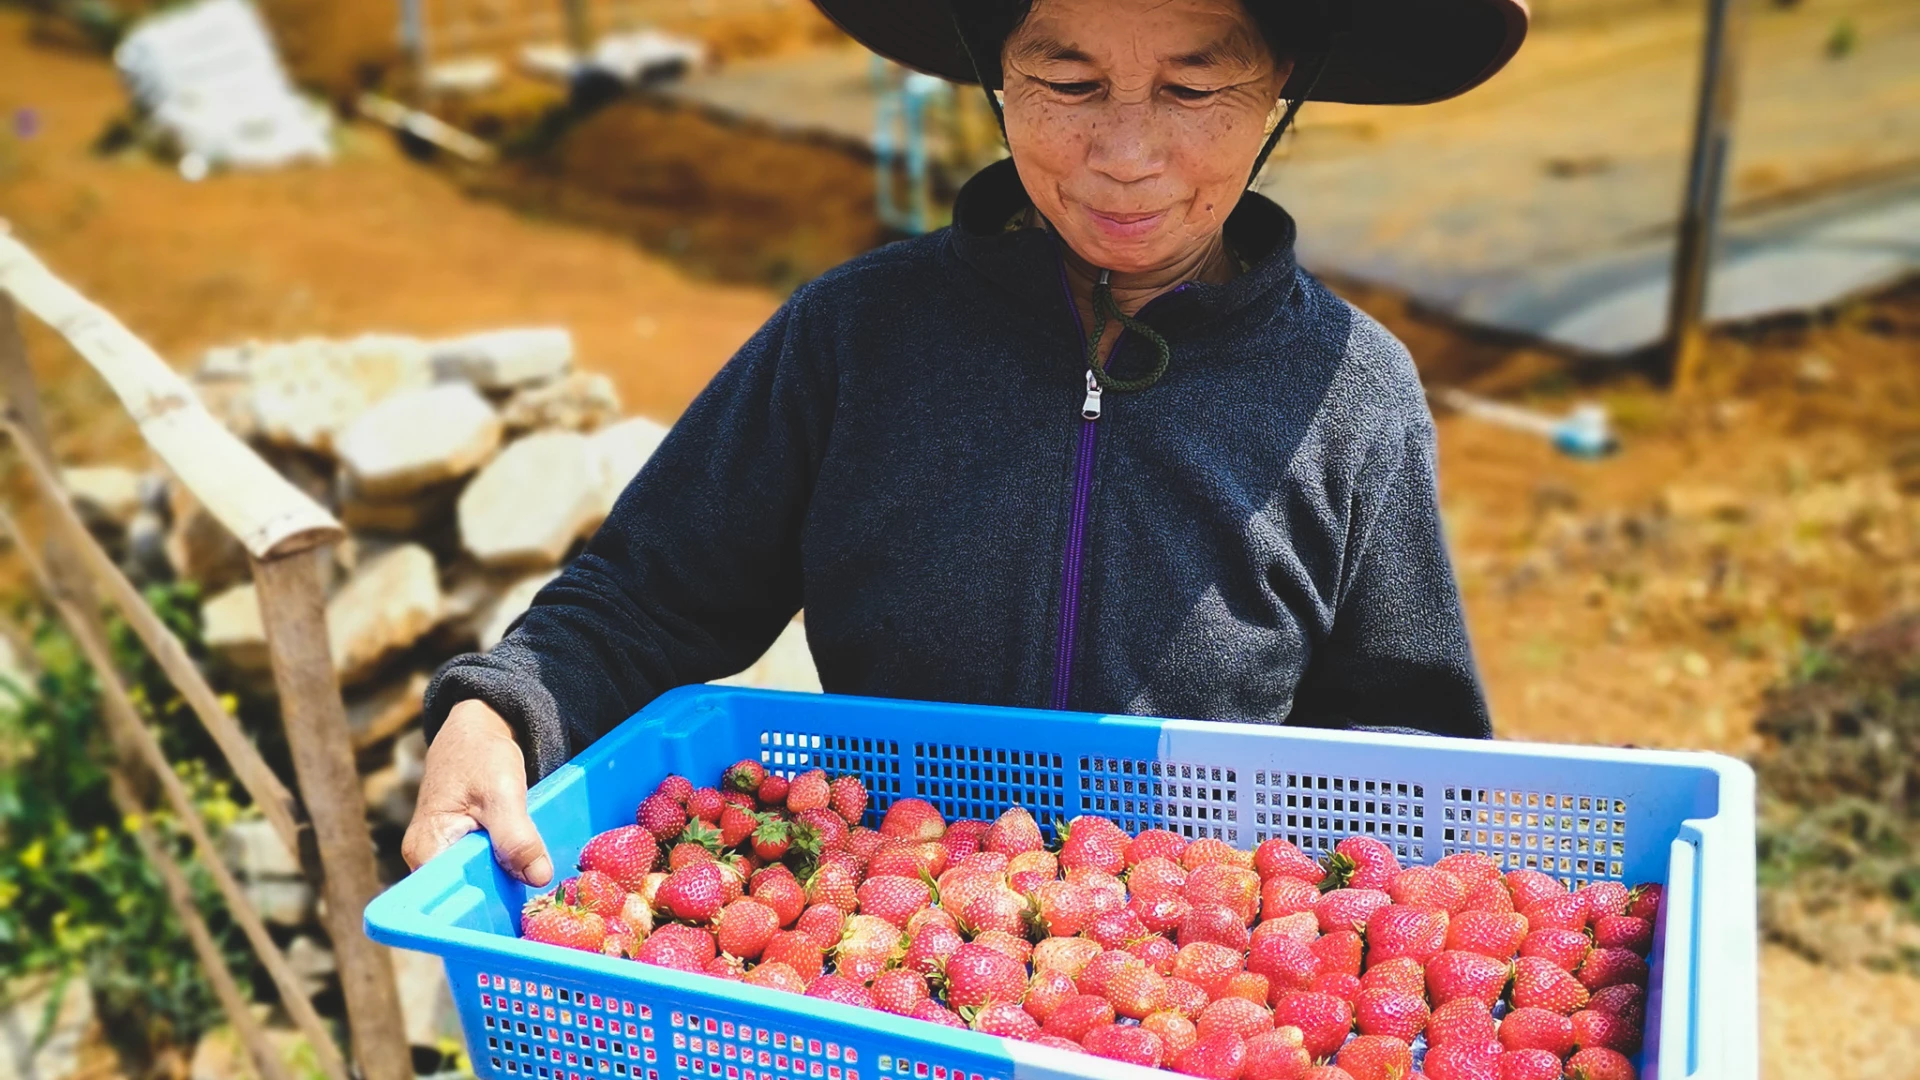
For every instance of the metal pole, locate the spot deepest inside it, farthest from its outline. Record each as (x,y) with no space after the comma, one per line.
(1706,175)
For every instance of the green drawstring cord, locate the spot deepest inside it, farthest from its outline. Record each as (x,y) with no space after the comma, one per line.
(1105,308)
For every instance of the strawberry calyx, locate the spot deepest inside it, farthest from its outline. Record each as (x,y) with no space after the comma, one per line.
(1340,870)
(702,834)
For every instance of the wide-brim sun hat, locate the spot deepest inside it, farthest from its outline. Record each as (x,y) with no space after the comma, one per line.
(1381,52)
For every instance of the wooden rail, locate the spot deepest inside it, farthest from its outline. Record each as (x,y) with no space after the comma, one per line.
(285,534)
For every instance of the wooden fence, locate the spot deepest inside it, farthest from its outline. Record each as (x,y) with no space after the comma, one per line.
(286,536)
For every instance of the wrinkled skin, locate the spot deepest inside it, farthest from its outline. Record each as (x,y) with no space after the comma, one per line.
(1134,125)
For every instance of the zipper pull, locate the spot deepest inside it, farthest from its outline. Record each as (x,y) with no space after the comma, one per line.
(1090,410)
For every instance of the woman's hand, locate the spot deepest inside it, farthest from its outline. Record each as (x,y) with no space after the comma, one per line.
(476,778)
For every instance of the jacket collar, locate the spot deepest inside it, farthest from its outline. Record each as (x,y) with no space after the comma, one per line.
(1026,262)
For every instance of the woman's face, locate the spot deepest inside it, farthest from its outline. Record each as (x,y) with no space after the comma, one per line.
(1134,123)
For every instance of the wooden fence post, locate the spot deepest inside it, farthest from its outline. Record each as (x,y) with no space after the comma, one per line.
(293,610)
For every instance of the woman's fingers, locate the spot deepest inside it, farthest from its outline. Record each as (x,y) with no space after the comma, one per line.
(432,832)
(475,778)
(517,846)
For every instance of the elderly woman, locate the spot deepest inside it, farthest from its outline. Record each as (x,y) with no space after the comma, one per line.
(1101,445)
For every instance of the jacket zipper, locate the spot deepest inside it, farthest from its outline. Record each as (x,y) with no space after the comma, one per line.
(1073,560)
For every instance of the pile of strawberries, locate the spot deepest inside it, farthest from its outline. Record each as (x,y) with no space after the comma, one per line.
(1150,949)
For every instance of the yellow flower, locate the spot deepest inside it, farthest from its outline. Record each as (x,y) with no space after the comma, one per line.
(34,855)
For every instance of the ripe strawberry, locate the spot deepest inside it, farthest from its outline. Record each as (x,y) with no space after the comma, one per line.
(894,899)
(1383,1011)
(868,946)
(1567,911)
(907,859)
(736,825)
(1156,877)
(1529,1065)
(1338,983)
(1133,1045)
(999,908)
(1013,832)
(865,843)
(796,950)
(744,775)
(1470,867)
(1593,1028)
(1463,1021)
(740,799)
(1396,930)
(1598,1063)
(1046,990)
(1341,950)
(1136,991)
(1233,887)
(1529,887)
(1156,844)
(808,791)
(899,991)
(1185,998)
(694,893)
(622,939)
(928,917)
(1302,926)
(661,815)
(1109,892)
(1361,862)
(1277,858)
(1405,974)
(1326,1072)
(1489,896)
(1234,1014)
(822,924)
(1286,963)
(1455,975)
(1077,1015)
(1424,886)
(1254,988)
(1324,1020)
(1623,1000)
(1623,932)
(781,893)
(685,854)
(1210,922)
(820,829)
(1277,1055)
(1160,916)
(627,854)
(744,927)
(776,976)
(669,949)
(550,920)
(1566,948)
(962,838)
(928,950)
(844,991)
(1612,967)
(1487,933)
(675,787)
(773,791)
(1070,955)
(1006,1020)
(772,838)
(834,884)
(1208,965)
(847,797)
(705,804)
(725,967)
(1540,983)
(595,892)
(1093,842)
(1094,977)
(1644,902)
(976,975)
(1176,1031)
(1012,944)
(1376,1057)
(935,1013)
(1464,1061)
(1605,898)
(1283,896)
(1117,929)
(1038,861)
(1208,851)
(1222,1057)
(1348,909)
(914,819)
(1537,1029)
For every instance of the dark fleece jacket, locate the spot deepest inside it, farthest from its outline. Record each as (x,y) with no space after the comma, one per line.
(900,451)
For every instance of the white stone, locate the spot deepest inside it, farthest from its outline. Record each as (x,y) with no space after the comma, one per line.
(531,502)
(620,451)
(417,438)
(285,902)
(426,1001)
(787,665)
(103,494)
(388,603)
(517,599)
(231,627)
(387,709)
(252,848)
(388,796)
(583,401)
(505,359)
(23,1012)
(305,393)
(312,962)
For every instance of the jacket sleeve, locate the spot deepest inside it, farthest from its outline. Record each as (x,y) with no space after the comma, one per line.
(693,574)
(1397,658)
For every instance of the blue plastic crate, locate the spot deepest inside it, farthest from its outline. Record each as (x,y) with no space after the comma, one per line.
(537,1012)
